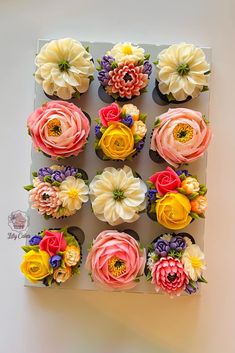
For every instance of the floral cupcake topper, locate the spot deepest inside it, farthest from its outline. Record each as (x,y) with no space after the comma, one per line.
(175,264)
(124,71)
(176,198)
(182,72)
(64,68)
(58,191)
(52,256)
(180,136)
(117,195)
(116,260)
(120,132)
(59,129)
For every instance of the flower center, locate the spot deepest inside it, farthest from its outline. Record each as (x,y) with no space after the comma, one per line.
(118,195)
(73,193)
(127,50)
(171,277)
(54,127)
(45,196)
(64,65)
(196,262)
(183,133)
(116,266)
(127,77)
(183,69)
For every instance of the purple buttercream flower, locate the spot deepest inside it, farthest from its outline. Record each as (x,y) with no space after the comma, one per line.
(106,62)
(44,172)
(182,171)
(61,175)
(161,247)
(147,68)
(70,171)
(128,120)
(98,134)
(177,243)
(191,287)
(139,146)
(103,77)
(152,195)
(35,240)
(55,261)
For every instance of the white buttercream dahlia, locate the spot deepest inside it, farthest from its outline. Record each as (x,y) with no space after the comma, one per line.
(64,68)
(117,196)
(194,262)
(126,52)
(73,192)
(182,71)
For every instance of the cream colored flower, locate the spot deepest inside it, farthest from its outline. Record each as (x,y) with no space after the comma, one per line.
(194,262)
(72,255)
(181,71)
(126,52)
(188,241)
(62,274)
(117,196)
(73,192)
(190,185)
(64,67)
(131,109)
(36,181)
(139,128)
(166,236)
(57,167)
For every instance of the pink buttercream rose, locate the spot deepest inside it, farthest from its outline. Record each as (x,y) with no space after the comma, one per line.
(109,114)
(53,242)
(166,181)
(59,129)
(116,260)
(169,275)
(181,137)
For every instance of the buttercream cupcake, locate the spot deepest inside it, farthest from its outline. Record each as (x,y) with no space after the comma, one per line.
(182,73)
(180,136)
(120,132)
(59,129)
(117,195)
(58,191)
(116,260)
(175,264)
(175,198)
(52,256)
(64,68)
(124,71)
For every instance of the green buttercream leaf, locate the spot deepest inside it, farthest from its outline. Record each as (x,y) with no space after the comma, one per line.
(27,248)
(143,117)
(193,196)
(170,97)
(137,138)
(91,78)
(56,183)
(205,119)
(202,280)
(28,187)
(99,61)
(150,184)
(98,68)
(157,122)
(149,276)
(182,191)
(205,89)
(194,215)
(155,62)
(47,179)
(147,56)
(46,216)
(140,62)
(34,174)
(114,65)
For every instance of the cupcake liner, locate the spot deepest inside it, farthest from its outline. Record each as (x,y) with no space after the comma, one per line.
(154,155)
(164,98)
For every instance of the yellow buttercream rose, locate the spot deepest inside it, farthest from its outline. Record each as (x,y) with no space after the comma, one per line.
(36,265)
(117,142)
(173,210)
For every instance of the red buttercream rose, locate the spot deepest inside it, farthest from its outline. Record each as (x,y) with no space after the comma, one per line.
(53,242)
(166,181)
(110,113)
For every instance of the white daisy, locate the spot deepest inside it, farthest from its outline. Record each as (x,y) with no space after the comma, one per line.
(73,192)
(117,196)
(194,262)
(126,52)
(182,71)
(64,68)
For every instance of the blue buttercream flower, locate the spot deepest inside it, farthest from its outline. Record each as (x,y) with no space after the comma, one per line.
(182,171)
(44,172)
(106,62)
(161,247)
(55,261)
(103,77)
(152,195)
(147,68)
(177,243)
(139,145)
(128,121)
(98,134)
(191,287)
(35,240)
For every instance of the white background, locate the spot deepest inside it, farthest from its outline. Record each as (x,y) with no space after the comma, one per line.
(41,321)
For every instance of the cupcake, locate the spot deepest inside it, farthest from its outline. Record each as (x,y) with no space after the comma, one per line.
(117,195)
(182,73)
(175,198)
(116,260)
(58,191)
(52,256)
(180,136)
(59,129)
(120,132)
(175,264)
(124,71)
(64,68)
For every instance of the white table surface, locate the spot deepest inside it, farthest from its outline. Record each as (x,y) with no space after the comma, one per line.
(40,321)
